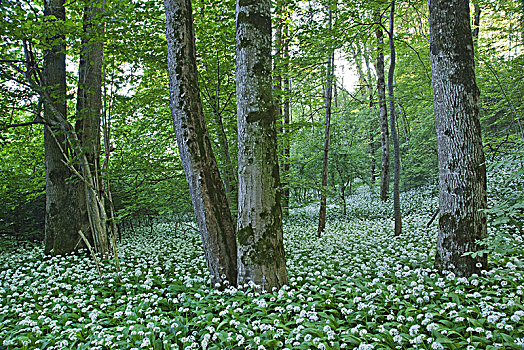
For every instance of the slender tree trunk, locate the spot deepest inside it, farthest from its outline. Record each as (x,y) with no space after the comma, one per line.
(279,71)
(205,186)
(372,124)
(476,22)
(392,120)
(462,171)
(325,163)
(230,178)
(89,107)
(369,88)
(384,131)
(260,238)
(522,20)
(286,125)
(60,216)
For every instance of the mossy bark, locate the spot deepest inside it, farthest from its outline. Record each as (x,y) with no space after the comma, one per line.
(205,185)
(61,214)
(259,225)
(462,171)
(87,126)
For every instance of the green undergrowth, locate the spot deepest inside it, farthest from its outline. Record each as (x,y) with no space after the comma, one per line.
(357,287)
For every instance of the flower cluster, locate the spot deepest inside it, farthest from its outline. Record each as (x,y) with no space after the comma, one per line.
(356,287)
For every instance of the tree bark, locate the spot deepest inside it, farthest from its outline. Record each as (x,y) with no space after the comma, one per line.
(230,178)
(372,124)
(392,120)
(260,238)
(476,22)
(325,162)
(286,123)
(206,188)
(89,107)
(462,171)
(522,20)
(371,131)
(384,131)
(61,216)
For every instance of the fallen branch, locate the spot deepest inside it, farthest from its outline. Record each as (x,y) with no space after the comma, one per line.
(433,217)
(91,251)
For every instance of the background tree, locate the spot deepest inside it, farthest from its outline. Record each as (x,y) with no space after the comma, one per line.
(328,92)
(381,92)
(393,123)
(216,65)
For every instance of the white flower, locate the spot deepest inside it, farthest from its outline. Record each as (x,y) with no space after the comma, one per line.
(364,346)
(145,343)
(432,326)
(414,330)
(397,338)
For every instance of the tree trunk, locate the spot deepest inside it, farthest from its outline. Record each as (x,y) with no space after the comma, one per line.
(372,124)
(367,82)
(522,20)
(60,216)
(230,179)
(325,163)
(462,171)
(392,120)
(260,238)
(89,107)
(381,92)
(286,124)
(476,22)
(205,186)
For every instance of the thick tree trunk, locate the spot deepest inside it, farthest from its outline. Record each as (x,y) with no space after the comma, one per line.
(61,215)
(328,90)
(462,172)
(384,131)
(89,107)
(392,119)
(260,238)
(206,188)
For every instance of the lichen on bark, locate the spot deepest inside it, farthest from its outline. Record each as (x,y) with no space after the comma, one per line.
(260,239)
(462,174)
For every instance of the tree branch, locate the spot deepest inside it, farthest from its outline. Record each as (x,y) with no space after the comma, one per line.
(5,127)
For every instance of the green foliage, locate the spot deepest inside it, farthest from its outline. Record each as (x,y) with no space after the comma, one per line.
(147,178)
(505,200)
(22,182)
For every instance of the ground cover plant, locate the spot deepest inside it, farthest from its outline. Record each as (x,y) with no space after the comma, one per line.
(357,287)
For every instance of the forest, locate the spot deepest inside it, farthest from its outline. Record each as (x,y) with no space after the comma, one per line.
(257,174)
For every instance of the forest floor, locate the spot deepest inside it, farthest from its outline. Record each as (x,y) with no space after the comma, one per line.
(358,286)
